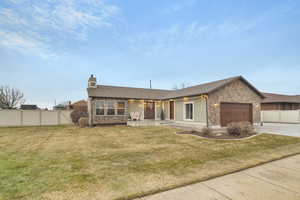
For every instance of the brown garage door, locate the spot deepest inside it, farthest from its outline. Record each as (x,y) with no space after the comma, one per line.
(236,112)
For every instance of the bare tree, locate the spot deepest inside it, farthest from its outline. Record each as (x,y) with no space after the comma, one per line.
(181,86)
(10,97)
(175,87)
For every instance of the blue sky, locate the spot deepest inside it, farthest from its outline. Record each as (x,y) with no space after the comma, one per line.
(49,48)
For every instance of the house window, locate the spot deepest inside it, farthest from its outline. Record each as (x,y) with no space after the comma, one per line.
(100,108)
(110,108)
(121,108)
(189,111)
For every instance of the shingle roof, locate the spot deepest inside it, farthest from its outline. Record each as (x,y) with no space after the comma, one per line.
(155,94)
(127,92)
(281,98)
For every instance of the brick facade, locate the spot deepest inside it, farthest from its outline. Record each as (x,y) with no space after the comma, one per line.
(236,92)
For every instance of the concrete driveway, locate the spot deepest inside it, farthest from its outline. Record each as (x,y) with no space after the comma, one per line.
(282,129)
(277,180)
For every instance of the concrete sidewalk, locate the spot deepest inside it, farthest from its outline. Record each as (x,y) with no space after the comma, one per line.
(277,180)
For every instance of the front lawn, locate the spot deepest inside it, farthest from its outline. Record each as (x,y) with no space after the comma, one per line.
(119,162)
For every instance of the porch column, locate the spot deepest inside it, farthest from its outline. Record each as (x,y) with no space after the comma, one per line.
(90,111)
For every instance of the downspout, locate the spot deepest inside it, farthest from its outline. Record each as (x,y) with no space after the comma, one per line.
(206,102)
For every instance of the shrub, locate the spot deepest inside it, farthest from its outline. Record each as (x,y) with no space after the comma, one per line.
(83,122)
(76,115)
(247,128)
(162,115)
(206,131)
(240,128)
(234,129)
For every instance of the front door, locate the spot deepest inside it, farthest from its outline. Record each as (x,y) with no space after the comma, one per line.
(149,110)
(171,110)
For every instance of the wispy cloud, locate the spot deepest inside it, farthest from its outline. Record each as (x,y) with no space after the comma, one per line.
(168,39)
(24,43)
(36,26)
(178,6)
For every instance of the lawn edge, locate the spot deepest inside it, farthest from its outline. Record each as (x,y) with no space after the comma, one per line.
(232,139)
(156,191)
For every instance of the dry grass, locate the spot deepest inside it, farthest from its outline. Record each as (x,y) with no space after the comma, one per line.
(119,162)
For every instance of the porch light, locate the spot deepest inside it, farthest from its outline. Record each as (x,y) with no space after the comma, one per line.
(216,105)
(185,99)
(204,96)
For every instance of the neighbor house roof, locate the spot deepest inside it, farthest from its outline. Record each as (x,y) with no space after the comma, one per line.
(80,103)
(281,98)
(28,107)
(156,94)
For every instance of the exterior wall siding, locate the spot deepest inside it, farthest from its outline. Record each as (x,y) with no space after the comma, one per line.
(199,109)
(235,92)
(166,106)
(158,109)
(136,106)
(178,109)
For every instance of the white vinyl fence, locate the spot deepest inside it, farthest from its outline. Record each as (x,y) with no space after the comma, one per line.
(281,116)
(34,117)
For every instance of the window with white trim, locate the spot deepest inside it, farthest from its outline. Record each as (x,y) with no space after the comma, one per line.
(99,107)
(189,109)
(110,108)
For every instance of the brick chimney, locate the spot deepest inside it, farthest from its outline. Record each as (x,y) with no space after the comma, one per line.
(92,83)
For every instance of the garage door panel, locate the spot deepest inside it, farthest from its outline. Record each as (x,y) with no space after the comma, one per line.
(235,112)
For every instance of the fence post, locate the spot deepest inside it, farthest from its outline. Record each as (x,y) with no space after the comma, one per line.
(58,117)
(279,116)
(261,118)
(40,117)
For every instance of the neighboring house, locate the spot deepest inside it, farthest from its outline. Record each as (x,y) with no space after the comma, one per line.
(29,107)
(60,107)
(79,105)
(216,103)
(280,102)
(63,106)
